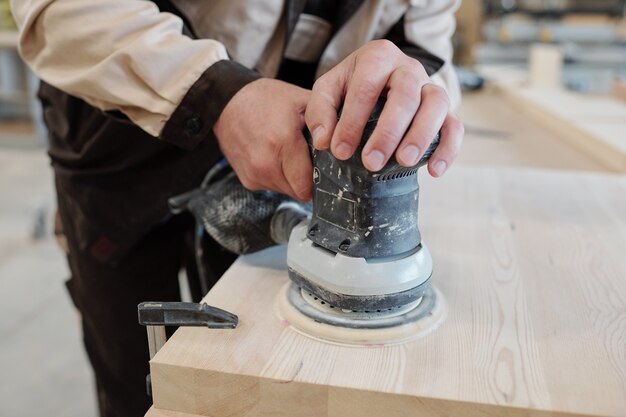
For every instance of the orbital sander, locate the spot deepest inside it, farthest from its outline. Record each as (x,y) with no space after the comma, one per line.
(360,272)
(360,262)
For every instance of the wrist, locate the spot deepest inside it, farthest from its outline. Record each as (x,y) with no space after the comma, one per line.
(194,118)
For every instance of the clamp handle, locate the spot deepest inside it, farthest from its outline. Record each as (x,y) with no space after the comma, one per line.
(155,315)
(176,313)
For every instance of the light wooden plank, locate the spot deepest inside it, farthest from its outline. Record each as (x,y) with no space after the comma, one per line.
(532,264)
(469,21)
(156,412)
(619,89)
(499,134)
(593,124)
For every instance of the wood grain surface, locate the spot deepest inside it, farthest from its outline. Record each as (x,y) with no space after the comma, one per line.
(498,134)
(533,266)
(156,412)
(593,124)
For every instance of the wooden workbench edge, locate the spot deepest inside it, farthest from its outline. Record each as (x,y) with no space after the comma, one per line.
(223,394)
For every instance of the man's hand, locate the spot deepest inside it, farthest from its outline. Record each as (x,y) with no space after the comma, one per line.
(260,133)
(414,112)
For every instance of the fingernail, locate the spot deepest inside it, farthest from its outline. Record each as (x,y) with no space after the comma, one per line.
(440,167)
(375,160)
(343,151)
(409,154)
(317,134)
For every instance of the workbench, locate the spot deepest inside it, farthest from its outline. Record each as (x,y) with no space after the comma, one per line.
(531,262)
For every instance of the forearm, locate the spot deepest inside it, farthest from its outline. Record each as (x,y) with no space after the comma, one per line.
(125,55)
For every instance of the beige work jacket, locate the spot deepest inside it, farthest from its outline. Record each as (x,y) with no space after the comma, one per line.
(126,55)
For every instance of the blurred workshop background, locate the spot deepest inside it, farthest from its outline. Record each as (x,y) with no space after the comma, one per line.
(544,88)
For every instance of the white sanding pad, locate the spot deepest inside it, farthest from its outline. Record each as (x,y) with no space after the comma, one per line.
(293,318)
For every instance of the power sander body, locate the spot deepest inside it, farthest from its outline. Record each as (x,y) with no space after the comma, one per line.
(362,250)
(360,272)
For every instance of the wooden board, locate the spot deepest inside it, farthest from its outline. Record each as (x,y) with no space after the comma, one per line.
(156,412)
(619,89)
(532,264)
(498,134)
(469,21)
(593,124)
(596,125)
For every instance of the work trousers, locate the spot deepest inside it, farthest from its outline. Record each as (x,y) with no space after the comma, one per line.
(113,181)
(107,299)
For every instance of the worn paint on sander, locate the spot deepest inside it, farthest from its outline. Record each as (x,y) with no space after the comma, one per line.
(361,251)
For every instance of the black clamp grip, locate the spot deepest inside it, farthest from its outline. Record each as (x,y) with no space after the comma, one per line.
(153,313)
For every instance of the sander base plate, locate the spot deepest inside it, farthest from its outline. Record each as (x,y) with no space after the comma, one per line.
(300,312)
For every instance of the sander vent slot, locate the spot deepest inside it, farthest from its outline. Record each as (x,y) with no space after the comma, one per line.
(394,175)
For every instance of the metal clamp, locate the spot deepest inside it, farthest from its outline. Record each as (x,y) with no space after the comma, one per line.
(156,315)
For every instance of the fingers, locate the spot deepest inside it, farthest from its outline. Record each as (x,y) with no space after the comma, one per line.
(366,86)
(427,122)
(403,100)
(360,78)
(452,133)
(298,169)
(321,111)
(289,171)
(413,114)
(258,175)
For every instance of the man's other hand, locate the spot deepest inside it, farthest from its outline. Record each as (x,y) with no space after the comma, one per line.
(260,133)
(413,114)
